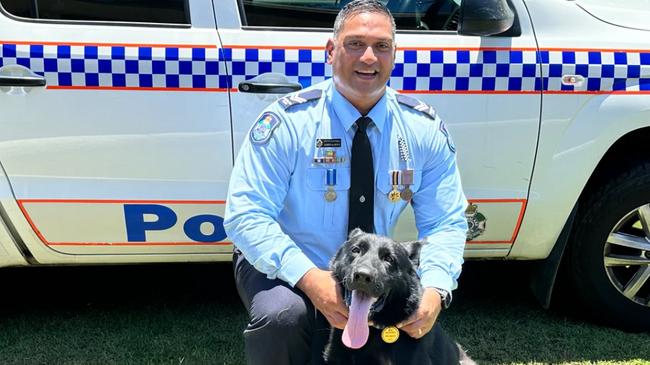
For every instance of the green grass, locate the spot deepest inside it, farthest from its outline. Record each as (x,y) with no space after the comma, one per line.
(190,314)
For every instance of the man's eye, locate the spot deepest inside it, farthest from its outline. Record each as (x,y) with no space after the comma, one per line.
(355,44)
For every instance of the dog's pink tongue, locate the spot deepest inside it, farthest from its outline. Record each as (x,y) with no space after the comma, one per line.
(356,330)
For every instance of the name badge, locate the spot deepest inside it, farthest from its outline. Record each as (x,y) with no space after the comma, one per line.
(328,143)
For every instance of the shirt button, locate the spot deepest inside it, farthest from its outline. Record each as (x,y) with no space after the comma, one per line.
(362,199)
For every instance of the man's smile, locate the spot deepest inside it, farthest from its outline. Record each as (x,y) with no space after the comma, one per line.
(368,75)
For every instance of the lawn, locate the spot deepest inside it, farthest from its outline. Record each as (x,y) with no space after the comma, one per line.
(190,314)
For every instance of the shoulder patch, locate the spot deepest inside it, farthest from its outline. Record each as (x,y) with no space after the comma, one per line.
(417,105)
(264,127)
(300,98)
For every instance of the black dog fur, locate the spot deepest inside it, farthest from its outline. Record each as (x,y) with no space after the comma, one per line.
(385,269)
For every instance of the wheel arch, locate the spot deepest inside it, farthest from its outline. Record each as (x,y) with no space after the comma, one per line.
(615,161)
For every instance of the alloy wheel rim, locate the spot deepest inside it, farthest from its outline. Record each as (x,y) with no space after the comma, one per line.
(626,255)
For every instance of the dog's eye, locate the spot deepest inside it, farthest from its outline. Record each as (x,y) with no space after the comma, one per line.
(388,258)
(355,249)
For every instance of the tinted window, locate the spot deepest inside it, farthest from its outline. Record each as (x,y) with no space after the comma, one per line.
(149,11)
(408,14)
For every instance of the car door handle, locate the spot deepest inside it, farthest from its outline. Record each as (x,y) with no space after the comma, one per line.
(28,81)
(268,88)
(268,83)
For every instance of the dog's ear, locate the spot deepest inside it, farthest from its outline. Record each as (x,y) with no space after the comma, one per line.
(413,248)
(355,232)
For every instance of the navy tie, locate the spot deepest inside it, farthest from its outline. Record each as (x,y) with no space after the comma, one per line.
(362,180)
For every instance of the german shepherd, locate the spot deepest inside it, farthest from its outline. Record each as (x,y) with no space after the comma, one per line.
(380,285)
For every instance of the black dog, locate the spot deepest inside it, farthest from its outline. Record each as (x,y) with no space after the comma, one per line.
(378,278)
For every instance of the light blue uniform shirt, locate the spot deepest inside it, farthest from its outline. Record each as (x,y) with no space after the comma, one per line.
(277,214)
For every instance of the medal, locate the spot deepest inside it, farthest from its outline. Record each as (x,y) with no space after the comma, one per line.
(329,158)
(394,195)
(330,194)
(407,180)
(390,334)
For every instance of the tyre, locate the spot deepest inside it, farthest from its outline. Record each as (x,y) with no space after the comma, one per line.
(609,253)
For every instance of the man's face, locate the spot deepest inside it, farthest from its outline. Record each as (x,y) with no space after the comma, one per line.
(362,58)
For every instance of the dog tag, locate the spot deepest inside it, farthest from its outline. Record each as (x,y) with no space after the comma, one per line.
(394,195)
(390,334)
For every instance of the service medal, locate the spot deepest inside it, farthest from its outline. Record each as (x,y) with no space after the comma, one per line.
(330,194)
(407,194)
(394,195)
(407,180)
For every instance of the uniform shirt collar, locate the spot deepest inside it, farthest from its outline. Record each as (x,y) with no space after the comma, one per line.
(348,114)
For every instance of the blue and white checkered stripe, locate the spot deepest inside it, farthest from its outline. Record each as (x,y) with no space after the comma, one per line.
(119,66)
(435,70)
(603,71)
(466,70)
(304,66)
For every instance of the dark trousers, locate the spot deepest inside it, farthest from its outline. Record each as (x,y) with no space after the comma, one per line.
(284,327)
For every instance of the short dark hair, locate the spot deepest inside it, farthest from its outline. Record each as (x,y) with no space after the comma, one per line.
(361,6)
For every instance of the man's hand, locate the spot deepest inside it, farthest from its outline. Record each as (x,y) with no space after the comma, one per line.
(421,322)
(324,293)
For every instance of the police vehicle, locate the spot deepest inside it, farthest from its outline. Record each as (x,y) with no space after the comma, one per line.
(121,121)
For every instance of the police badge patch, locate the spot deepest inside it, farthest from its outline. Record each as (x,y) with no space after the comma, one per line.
(476,222)
(263,128)
(444,131)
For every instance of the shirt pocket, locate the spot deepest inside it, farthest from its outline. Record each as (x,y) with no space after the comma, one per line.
(328,214)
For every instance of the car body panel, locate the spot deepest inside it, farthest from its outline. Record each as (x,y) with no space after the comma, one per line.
(581,122)
(134,116)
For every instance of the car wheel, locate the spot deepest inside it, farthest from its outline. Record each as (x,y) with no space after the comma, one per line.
(609,252)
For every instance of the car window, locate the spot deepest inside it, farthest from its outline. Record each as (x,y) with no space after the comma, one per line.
(408,14)
(147,11)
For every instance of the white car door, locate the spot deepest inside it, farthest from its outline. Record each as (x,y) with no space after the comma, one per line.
(486,89)
(116,135)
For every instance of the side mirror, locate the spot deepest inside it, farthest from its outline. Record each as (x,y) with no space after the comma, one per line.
(485,17)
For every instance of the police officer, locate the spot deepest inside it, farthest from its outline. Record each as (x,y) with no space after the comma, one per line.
(348,152)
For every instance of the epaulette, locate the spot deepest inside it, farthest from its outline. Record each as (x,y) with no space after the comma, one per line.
(417,105)
(300,98)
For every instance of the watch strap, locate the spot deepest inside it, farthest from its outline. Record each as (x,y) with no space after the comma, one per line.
(445,296)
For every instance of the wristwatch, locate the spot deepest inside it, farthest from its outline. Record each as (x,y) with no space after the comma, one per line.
(445,296)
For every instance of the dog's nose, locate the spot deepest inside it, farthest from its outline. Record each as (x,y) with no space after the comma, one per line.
(362,277)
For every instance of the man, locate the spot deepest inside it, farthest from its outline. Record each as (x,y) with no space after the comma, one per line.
(345,153)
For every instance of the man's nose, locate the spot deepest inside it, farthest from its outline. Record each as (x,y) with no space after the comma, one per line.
(368,56)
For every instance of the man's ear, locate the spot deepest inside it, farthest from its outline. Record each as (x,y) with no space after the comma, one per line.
(413,248)
(329,48)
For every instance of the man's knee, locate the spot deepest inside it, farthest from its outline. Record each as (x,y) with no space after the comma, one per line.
(280,310)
